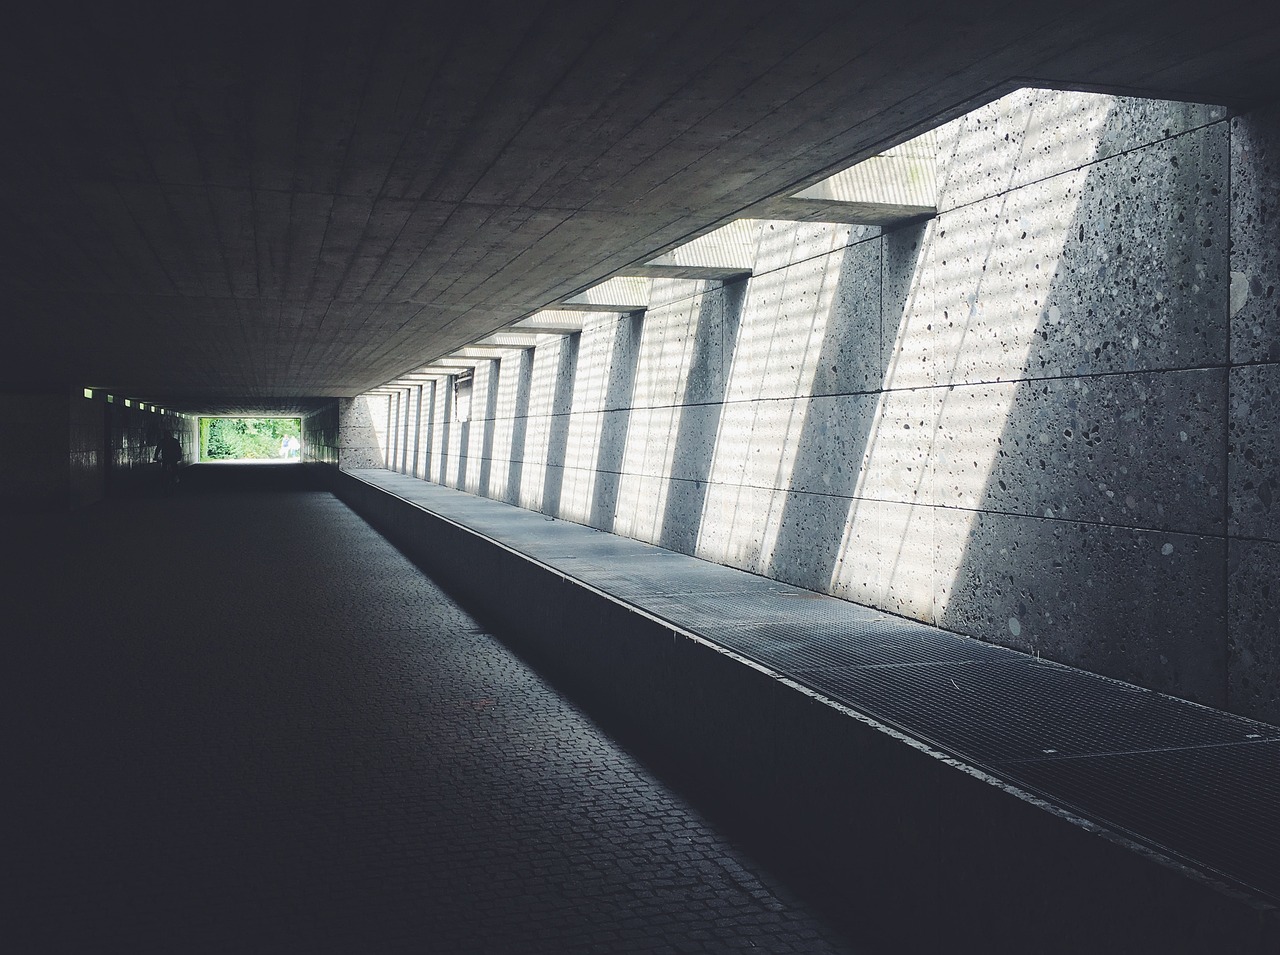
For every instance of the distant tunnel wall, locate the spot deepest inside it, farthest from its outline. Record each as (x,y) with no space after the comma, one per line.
(36,471)
(321,434)
(62,449)
(1045,418)
(132,435)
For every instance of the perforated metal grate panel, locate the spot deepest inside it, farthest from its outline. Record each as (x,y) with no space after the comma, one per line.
(1011,707)
(806,651)
(1217,807)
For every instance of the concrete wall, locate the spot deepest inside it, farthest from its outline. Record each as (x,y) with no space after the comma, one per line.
(34,469)
(1043,418)
(132,435)
(1253,436)
(87,476)
(62,449)
(320,435)
(362,432)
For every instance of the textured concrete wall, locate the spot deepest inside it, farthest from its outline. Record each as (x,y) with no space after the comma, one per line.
(33,451)
(64,450)
(425,428)
(1253,437)
(412,430)
(362,431)
(320,435)
(1078,471)
(87,475)
(1013,421)
(131,438)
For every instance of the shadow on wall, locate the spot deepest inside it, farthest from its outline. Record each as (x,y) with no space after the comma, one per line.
(445,404)
(616,420)
(519,421)
(1091,530)
(426,429)
(321,435)
(558,435)
(874,282)
(715,337)
(464,391)
(490,412)
(1253,524)
(362,434)
(1014,426)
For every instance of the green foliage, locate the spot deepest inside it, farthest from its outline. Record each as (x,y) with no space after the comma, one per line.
(230,439)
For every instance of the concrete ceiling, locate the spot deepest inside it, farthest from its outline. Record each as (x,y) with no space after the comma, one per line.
(260,203)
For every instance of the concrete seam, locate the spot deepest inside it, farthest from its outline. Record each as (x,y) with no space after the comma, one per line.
(1087,165)
(881,500)
(984,383)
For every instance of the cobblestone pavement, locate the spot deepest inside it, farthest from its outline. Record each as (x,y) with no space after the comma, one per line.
(246,723)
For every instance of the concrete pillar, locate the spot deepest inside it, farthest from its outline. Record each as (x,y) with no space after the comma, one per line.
(360,445)
(415,431)
(393,431)
(444,401)
(426,423)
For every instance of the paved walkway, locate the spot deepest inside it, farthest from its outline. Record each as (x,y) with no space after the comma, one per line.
(243,722)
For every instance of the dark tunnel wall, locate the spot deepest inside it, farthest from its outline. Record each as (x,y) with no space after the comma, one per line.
(65,449)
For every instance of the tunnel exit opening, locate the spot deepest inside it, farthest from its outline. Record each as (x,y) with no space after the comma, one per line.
(244,438)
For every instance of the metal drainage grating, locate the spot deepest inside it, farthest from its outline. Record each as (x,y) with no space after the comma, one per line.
(793,648)
(1218,807)
(1015,708)
(642,580)
(724,604)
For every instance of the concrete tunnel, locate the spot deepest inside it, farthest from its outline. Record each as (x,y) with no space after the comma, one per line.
(794,478)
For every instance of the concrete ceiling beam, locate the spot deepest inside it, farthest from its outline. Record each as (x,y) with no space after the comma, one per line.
(549,322)
(453,365)
(844,213)
(510,339)
(498,349)
(693,273)
(437,370)
(482,352)
(553,328)
(727,254)
(899,185)
(618,294)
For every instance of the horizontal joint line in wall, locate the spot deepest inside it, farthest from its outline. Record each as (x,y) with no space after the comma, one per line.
(982,383)
(1251,539)
(881,500)
(1031,380)
(1040,517)
(1253,363)
(1094,162)
(817,255)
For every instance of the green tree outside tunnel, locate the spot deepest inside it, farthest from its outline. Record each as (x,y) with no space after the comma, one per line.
(246,439)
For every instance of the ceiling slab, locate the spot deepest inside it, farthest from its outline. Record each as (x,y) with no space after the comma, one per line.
(274,202)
